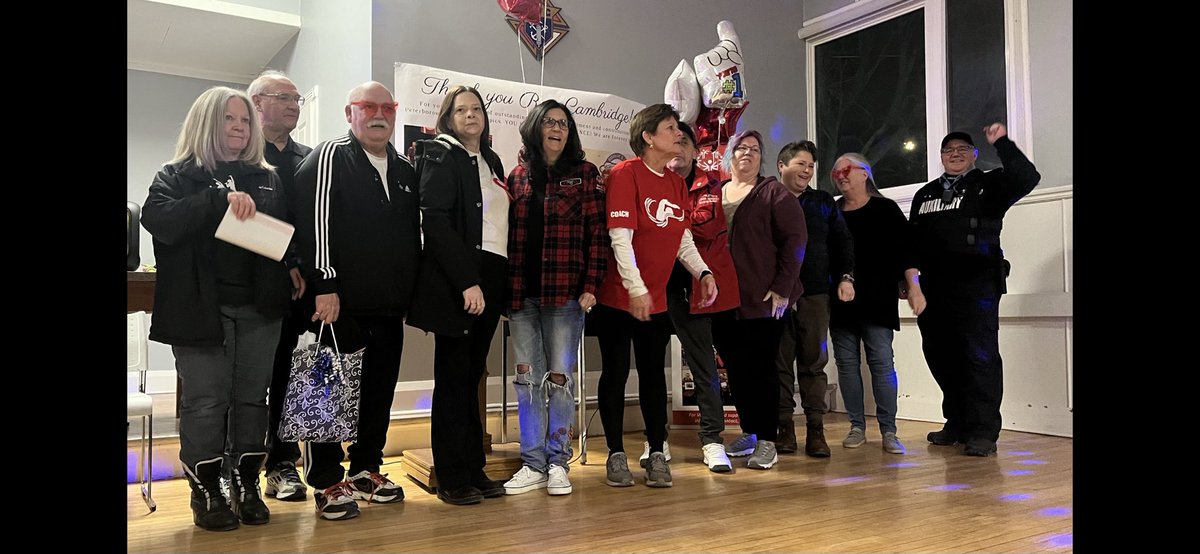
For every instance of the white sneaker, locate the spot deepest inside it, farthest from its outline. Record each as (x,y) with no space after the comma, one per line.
(558,482)
(527,479)
(642,461)
(715,458)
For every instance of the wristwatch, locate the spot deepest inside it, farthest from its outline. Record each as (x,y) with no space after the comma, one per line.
(846,277)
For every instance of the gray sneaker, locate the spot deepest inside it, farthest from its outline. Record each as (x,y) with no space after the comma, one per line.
(617,471)
(764,456)
(742,445)
(891,444)
(658,474)
(856,438)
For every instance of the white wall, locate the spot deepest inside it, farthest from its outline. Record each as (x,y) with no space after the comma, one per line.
(1052,89)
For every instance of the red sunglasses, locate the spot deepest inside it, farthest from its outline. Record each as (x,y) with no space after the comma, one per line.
(370,108)
(840,173)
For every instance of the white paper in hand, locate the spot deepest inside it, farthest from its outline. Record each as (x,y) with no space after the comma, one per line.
(261,234)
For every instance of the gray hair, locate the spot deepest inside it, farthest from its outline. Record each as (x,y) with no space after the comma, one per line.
(861,161)
(259,84)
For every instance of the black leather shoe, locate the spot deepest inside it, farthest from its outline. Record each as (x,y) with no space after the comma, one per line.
(814,441)
(943,438)
(786,442)
(461,496)
(980,447)
(489,488)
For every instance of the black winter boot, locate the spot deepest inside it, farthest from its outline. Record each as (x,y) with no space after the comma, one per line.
(245,498)
(210,510)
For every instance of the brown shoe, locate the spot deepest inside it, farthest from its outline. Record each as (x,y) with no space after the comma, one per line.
(814,441)
(786,442)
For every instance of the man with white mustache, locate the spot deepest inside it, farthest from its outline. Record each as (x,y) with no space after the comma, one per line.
(359,235)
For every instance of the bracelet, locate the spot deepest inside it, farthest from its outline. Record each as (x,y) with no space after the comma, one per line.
(847,278)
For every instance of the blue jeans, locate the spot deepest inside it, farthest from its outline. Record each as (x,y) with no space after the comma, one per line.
(878,343)
(545,340)
(223,407)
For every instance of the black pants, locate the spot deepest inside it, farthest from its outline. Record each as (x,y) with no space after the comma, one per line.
(804,342)
(295,323)
(696,336)
(960,338)
(615,330)
(459,362)
(383,338)
(749,348)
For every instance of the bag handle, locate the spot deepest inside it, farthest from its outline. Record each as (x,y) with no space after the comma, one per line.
(321,331)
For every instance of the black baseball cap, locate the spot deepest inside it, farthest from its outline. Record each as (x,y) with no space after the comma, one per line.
(683,126)
(965,137)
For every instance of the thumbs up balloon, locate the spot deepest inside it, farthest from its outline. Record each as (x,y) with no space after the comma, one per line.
(720,70)
(683,92)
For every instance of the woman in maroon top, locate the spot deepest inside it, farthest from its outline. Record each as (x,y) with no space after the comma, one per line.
(767,235)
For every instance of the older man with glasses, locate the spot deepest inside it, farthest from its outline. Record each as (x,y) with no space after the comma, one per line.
(957,220)
(277,105)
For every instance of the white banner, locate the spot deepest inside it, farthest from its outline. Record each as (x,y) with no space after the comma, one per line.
(602,119)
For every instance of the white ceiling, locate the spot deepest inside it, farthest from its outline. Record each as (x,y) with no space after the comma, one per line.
(205,39)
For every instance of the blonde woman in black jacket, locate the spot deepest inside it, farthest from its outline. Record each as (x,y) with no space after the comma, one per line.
(219,306)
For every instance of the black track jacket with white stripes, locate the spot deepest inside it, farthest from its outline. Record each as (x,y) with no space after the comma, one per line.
(354,240)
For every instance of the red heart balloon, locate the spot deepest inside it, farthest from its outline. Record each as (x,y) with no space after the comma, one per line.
(525,10)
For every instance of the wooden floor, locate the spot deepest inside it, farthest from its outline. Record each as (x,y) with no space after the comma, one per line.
(932,499)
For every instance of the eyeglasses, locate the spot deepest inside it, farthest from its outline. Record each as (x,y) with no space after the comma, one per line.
(743,149)
(370,108)
(958,149)
(550,123)
(839,174)
(287,98)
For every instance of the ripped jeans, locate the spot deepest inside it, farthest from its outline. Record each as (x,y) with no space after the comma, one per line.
(545,341)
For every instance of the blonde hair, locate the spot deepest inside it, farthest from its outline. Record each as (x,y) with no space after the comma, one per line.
(200,136)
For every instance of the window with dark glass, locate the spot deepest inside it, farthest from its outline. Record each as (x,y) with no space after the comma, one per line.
(871,100)
(975,78)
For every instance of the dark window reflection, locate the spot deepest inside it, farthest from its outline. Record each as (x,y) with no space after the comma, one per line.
(975,71)
(871,99)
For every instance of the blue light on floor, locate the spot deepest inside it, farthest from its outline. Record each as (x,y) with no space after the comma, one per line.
(903,464)
(1019,472)
(951,487)
(1060,540)
(1057,511)
(1014,497)
(1020,453)
(1033,462)
(424,403)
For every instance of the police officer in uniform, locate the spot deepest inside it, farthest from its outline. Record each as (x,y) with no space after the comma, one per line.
(957,219)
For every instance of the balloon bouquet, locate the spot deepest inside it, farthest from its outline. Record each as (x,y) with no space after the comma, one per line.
(718,78)
(535,22)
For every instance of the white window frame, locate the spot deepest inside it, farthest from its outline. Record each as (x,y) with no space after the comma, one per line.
(866,13)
